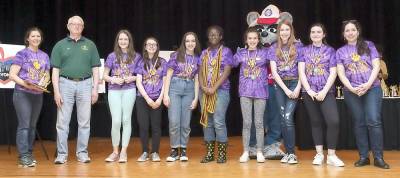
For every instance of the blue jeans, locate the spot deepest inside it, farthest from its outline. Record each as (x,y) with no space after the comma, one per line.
(216,127)
(181,93)
(71,92)
(366,112)
(286,110)
(121,104)
(27,107)
(272,121)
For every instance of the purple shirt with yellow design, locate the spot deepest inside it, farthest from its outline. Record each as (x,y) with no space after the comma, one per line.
(253,72)
(152,82)
(34,66)
(358,68)
(318,61)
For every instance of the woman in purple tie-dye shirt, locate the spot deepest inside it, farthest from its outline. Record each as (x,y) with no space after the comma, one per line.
(358,68)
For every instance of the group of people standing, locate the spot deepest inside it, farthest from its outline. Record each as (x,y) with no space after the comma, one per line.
(191,76)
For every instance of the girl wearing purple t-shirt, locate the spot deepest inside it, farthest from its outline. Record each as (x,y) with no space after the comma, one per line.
(252,91)
(358,68)
(283,56)
(151,71)
(181,93)
(29,68)
(215,67)
(121,92)
(317,72)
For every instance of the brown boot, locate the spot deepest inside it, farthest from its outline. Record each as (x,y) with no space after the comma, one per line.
(210,152)
(222,152)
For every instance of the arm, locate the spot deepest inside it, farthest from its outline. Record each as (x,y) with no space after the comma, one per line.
(160,98)
(363,88)
(167,83)
(13,75)
(344,79)
(112,80)
(331,79)
(142,91)
(278,79)
(304,82)
(55,79)
(95,94)
(196,92)
(225,75)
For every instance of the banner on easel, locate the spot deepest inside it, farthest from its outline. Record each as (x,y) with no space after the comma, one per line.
(7,54)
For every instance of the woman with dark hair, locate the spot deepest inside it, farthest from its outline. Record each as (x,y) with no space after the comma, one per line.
(283,56)
(121,92)
(358,68)
(215,67)
(317,72)
(181,93)
(252,90)
(30,72)
(151,71)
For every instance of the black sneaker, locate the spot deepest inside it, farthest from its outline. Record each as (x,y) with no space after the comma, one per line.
(183,156)
(173,156)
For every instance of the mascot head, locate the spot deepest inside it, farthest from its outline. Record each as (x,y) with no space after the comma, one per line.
(267,23)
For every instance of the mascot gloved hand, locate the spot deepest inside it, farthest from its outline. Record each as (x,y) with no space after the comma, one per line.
(267,24)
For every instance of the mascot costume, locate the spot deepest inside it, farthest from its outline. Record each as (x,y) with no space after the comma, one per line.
(267,24)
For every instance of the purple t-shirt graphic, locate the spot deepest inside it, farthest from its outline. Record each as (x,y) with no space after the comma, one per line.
(286,68)
(253,72)
(34,66)
(187,69)
(122,70)
(318,61)
(152,80)
(358,68)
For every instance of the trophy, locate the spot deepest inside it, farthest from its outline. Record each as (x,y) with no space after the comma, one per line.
(339,92)
(385,89)
(394,91)
(43,82)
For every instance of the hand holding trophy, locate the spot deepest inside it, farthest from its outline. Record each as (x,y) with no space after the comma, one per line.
(42,84)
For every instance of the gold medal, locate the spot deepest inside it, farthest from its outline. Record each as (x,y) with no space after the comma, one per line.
(152,72)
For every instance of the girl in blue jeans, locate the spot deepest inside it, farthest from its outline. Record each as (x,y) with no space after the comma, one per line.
(181,94)
(283,56)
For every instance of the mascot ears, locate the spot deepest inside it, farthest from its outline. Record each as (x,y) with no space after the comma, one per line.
(252,18)
(285,16)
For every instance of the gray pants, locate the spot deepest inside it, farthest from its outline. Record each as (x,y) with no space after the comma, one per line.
(27,107)
(80,92)
(247,112)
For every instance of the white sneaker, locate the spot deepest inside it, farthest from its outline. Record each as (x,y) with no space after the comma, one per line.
(285,158)
(155,157)
(260,157)
(144,157)
(245,157)
(318,159)
(333,160)
(292,159)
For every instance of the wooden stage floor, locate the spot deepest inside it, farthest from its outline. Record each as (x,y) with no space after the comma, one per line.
(99,149)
